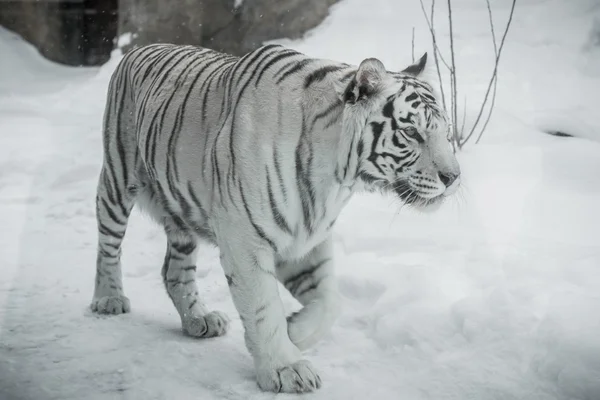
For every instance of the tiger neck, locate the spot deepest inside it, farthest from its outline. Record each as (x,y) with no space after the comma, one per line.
(336,132)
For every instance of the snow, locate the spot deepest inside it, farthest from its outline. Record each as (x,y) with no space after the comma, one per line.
(124,39)
(237,4)
(493,297)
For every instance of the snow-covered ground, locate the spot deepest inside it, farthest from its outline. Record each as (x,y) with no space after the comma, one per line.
(496,296)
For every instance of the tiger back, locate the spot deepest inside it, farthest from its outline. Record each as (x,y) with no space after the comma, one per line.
(258,155)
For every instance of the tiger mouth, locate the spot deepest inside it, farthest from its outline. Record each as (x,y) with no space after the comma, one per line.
(412,197)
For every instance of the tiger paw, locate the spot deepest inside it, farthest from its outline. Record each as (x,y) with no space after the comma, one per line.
(309,325)
(111,305)
(213,324)
(299,377)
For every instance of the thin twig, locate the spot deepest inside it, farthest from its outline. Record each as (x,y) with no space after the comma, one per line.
(413,45)
(496,77)
(435,46)
(464,118)
(494,74)
(492,104)
(435,55)
(453,74)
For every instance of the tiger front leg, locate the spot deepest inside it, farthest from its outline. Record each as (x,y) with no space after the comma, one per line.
(311,281)
(179,276)
(253,285)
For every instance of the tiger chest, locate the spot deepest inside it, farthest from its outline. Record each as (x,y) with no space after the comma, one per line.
(320,227)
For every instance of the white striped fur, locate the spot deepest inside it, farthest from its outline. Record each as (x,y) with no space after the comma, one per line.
(258,155)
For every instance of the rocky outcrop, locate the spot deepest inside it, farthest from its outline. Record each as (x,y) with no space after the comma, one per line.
(68,32)
(219,24)
(78,32)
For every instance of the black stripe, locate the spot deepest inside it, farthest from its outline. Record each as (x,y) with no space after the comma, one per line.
(298,66)
(348,75)
(109,162)
(197,201)
(108,186)
(230,78)
(320,74)
(184,248)
(224,98)
(388,109)
(231,74)
(175,131)
(114,246)
(307,289)
(278,173)
(107,254)
(154,138)
(253,57)
(217,170)
(410,163)
(207,83)
(281,56)
(109,210)
(305,189)
(408,118)
(240,93)
(257,228)
(120,130)
(295,281)
(157,81)
(165,267)
(325,113)
(186,208)
(222,68)
(103,229)
(132,57)
(377,129)
(411,97)
(159,77)
(216,57)
(276,153)
(277,215)
(350,151)
(359,148)
(150,59)
(397,159)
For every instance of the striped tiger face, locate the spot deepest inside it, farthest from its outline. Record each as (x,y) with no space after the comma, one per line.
(405,142)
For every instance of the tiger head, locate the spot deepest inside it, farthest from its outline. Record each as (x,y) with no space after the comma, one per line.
(404,144)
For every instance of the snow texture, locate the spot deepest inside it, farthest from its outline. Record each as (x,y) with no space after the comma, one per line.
(493,297)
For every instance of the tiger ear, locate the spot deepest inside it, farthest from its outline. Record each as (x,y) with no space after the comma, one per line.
(417,68)
(367,81)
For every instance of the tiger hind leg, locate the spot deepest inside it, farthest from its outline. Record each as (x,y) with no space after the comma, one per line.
(179,276)
(114,202)
(312,282)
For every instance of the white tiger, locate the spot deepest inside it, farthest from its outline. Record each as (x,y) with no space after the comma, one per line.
(258,155)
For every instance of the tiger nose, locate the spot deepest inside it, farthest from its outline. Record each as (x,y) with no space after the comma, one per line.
(447,178)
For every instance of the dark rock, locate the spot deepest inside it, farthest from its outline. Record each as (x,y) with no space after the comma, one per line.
(217,24)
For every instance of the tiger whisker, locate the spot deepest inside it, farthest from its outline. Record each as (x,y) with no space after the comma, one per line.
(386,186)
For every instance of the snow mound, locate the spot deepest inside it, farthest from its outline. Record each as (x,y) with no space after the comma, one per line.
(494,297)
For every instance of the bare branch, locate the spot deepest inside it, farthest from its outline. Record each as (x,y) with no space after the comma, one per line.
(436,49)
(413,44)
(453,76)
(496,77)
(495,72)
(464,118)
(435,55)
